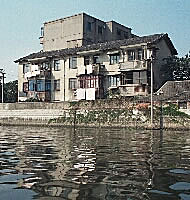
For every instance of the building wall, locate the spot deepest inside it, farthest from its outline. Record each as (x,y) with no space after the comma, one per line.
(66,73)
(117,31)
(162,52)
(63,33)
(74,31)
(20,82)
(95,35)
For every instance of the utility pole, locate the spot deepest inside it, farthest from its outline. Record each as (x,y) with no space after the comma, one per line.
(2,84)
(151,91)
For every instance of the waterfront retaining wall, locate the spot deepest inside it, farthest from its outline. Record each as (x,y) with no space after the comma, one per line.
(101,113)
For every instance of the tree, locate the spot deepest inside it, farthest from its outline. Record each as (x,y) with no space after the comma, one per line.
(10,92)
(176,69)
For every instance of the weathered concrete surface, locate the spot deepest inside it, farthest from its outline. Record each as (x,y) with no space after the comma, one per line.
(100,113)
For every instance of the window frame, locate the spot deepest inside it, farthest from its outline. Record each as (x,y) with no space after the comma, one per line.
(73,62)
(32,85)
(56,65)
(96,59)
(40,85)
(126,35)
(140,79)
(47,85)
(114,58)
(119,32)
(140,54)
(100,30)
(72,83)
(26,68)
(86,60)
(25,87)
(89,27)
(131,54)
(56,85)
(114,81)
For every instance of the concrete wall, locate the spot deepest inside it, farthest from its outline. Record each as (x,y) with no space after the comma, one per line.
(63,33)
(162,52)
(101,113)
(65,73)
(73,32)
(113,29)
(93,36)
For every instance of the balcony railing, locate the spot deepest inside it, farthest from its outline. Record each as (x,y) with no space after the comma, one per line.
(95,69)
(40,73)
(137,64)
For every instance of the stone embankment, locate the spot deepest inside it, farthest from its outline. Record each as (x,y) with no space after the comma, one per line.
(100,113)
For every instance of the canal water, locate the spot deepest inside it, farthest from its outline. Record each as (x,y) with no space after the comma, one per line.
(112,164)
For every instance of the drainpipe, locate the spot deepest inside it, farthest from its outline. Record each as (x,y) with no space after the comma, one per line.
(64,81)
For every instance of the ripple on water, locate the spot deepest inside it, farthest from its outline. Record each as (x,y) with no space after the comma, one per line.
(93,164)
(180,186)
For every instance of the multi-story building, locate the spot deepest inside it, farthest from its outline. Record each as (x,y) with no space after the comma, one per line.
(116,62)
(79,30)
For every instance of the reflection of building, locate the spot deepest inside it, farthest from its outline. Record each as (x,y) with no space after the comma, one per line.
(86,58)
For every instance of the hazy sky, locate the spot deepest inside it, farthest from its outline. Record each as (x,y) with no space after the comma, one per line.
(20,22)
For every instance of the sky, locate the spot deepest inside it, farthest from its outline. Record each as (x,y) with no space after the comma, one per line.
(21,20)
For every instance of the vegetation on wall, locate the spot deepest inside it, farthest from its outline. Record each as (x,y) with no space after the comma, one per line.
(134,115)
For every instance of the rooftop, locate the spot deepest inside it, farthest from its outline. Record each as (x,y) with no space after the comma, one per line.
(174,90)
(111,45)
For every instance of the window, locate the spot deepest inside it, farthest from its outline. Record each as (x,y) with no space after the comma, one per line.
(96,59)
(73,62)
(72,83)
(118,31)
(139,77)
(126,35)
(86,60)
(57,84)
(100,30)
(89,26)
(114,58)
(140,55)
(89,41)
(89,82)
(182,105)
(56,65)
(40,85)
(48,85)
(113,81)
(26,68)
(131,55)
(42,31)
(31,85)
(127,78)
(45,66)
(25,87)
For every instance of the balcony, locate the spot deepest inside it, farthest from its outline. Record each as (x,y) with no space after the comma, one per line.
(133,65)
(39,73)
(133,89)
(93,69)
(42,96)
(98,69)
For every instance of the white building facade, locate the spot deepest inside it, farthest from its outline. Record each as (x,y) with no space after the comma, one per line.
(94,71)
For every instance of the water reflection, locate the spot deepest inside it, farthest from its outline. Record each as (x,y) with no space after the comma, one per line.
(57,163)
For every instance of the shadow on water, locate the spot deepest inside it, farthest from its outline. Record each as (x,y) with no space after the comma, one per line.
(57,163)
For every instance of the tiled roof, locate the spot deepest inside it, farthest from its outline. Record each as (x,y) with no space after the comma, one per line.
(174,90)
(112,45)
